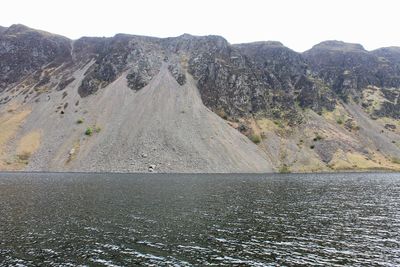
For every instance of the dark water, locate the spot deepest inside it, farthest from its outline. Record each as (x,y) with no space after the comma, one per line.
(185,220)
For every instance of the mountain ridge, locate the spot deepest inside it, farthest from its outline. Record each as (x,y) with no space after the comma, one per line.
(278,43)
(333,107)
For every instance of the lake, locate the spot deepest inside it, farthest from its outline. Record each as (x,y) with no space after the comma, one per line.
(74,219)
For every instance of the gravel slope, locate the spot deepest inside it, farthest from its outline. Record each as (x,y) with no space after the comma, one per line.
(164,124)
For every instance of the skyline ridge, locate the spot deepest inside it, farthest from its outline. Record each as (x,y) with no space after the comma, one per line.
(269,42)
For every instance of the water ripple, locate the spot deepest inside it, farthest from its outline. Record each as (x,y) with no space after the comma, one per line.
(201,220)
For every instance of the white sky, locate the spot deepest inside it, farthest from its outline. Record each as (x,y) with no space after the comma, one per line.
(297,24)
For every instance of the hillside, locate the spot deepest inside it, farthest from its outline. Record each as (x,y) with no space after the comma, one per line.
(195,104)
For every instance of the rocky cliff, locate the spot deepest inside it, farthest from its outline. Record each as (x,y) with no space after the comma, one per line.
(195,104)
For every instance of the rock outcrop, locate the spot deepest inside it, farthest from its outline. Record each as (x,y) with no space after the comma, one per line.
(24,51)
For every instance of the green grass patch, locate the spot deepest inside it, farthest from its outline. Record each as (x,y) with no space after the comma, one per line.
(279,124)
(255,138)
(89,131)
(396,160)
(284,169)
(92,129)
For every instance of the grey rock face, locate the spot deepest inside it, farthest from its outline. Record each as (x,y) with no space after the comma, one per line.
(262,90)
(24,51)
(289,78)
(255,79)
(349,68)
(114,56)
(178,73)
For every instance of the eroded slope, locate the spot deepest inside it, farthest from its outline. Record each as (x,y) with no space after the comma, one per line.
(195,104)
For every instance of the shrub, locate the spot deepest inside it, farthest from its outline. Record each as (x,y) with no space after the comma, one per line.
(255,138)
(89,131)
(284,169)
(279,124)
(79,121)
(339,121)
(222,114)
(24,156)
(312,146)
(317,138)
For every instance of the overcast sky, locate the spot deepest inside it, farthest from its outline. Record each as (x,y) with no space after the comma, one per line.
(297,24)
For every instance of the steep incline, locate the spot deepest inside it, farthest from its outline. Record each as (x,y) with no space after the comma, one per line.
(139,112)
(164,124)
(195,104)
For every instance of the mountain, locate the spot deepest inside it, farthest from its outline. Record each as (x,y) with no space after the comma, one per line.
(195,104)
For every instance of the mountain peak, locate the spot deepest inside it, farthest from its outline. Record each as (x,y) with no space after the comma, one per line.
(335,45)
(18,28)
(186,35)
(391,53)
(267,43)
(389,49)
(261,44)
